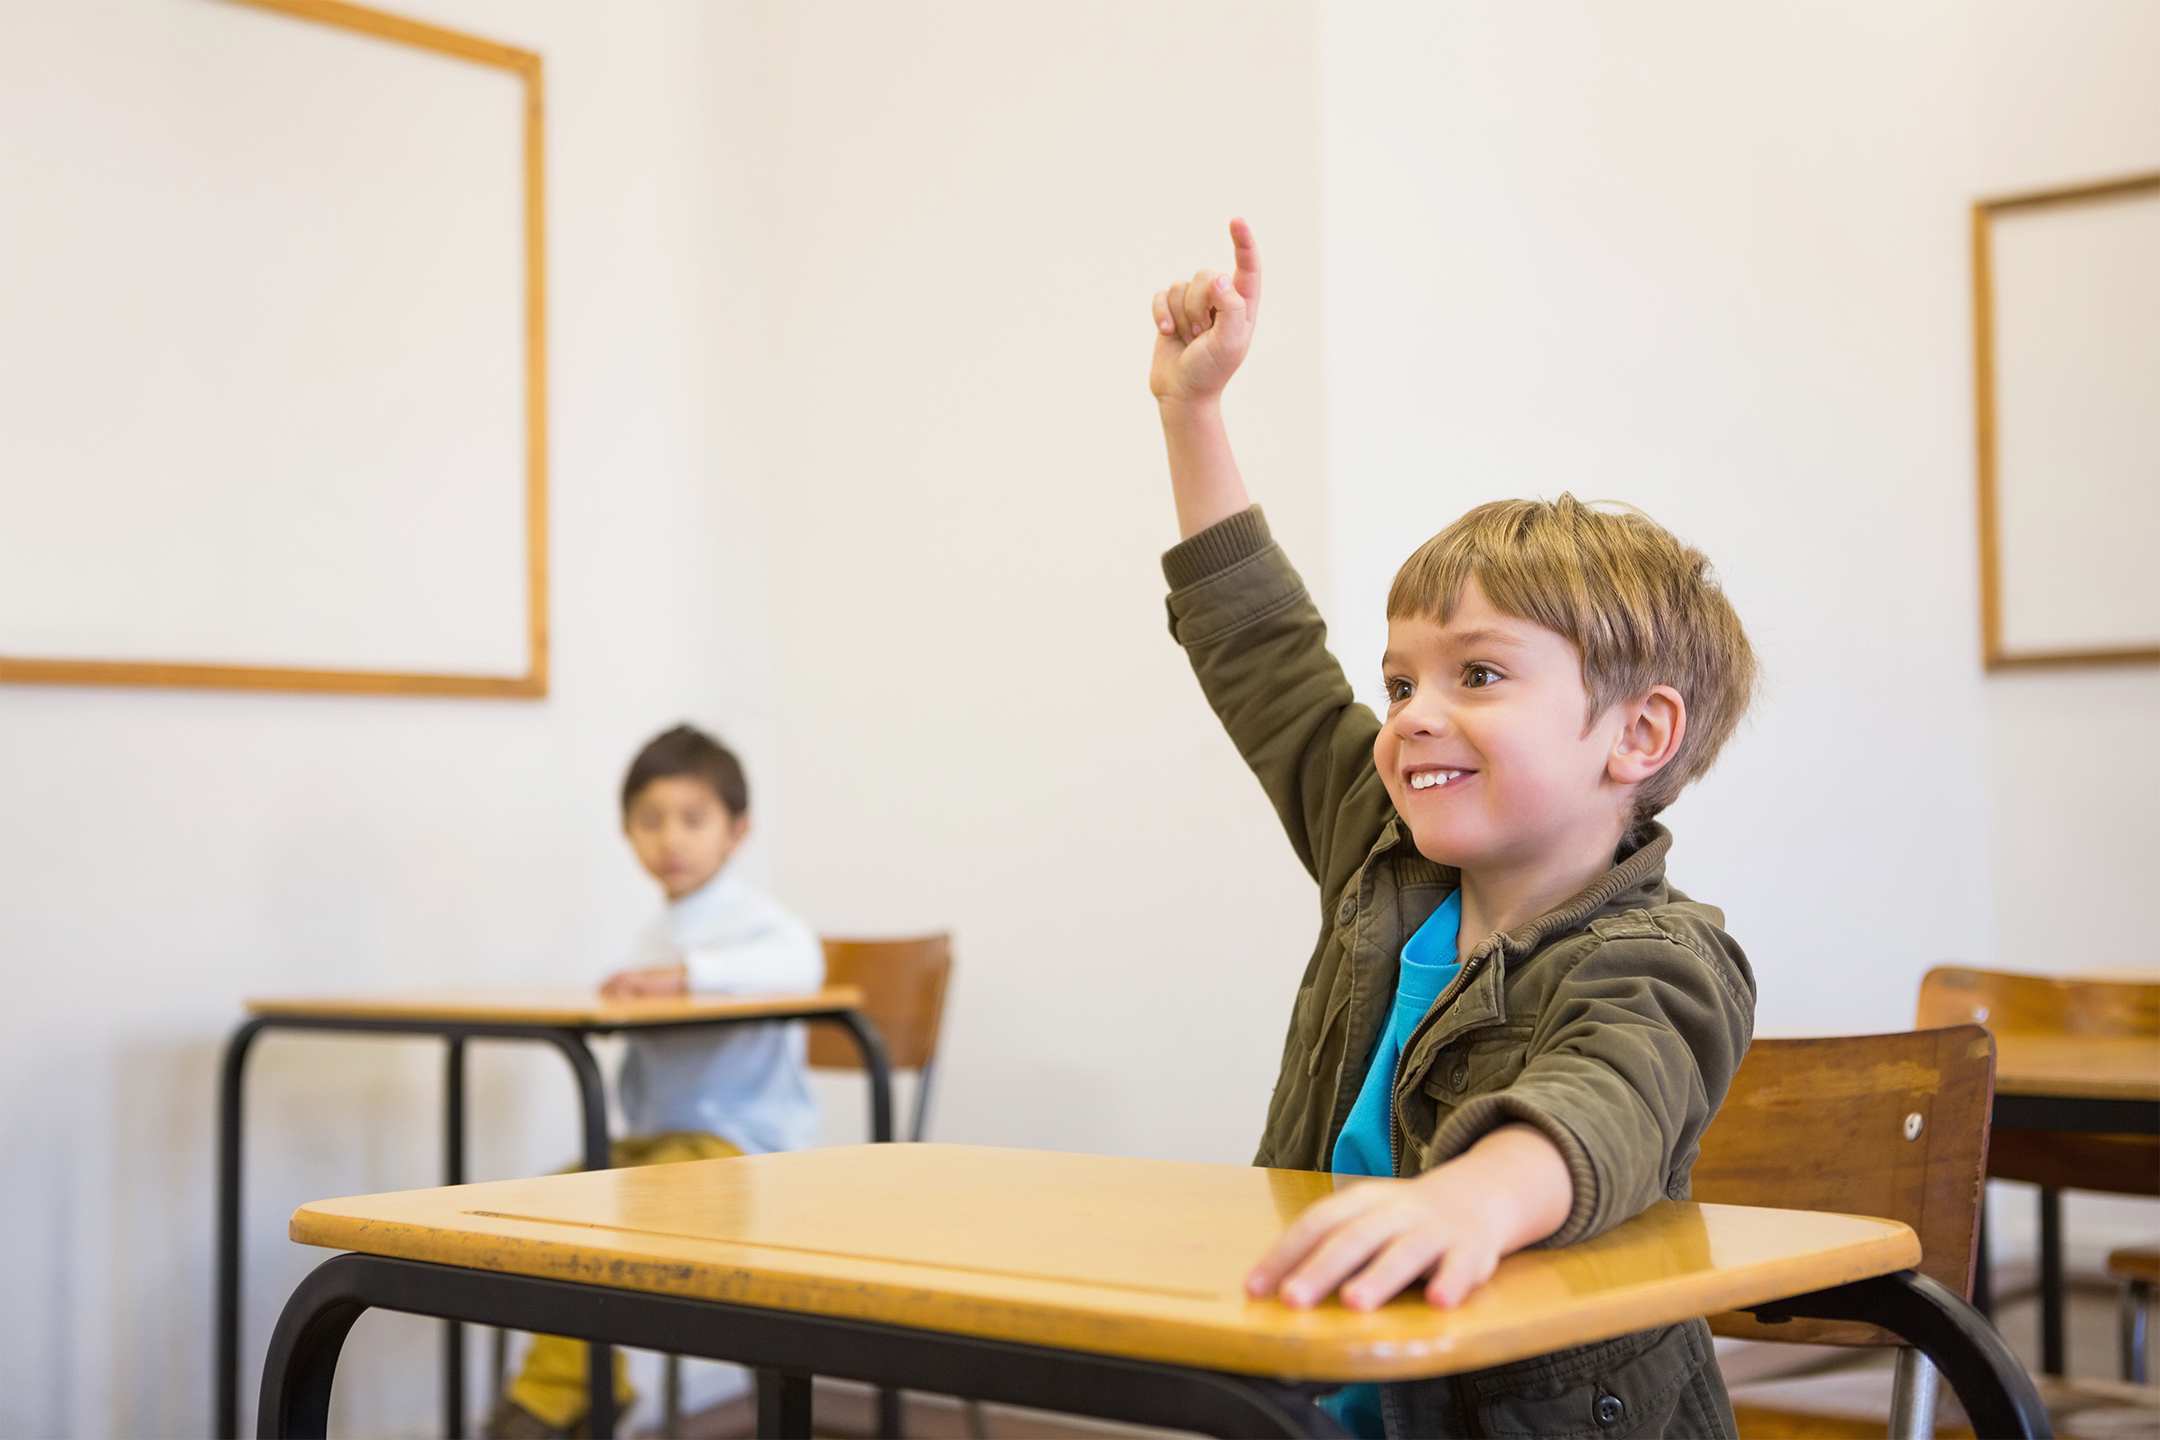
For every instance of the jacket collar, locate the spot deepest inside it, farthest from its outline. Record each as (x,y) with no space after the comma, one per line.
(1481,1000)
(1633,876)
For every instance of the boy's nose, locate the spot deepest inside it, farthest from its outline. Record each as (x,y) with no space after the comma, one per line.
(1418,719)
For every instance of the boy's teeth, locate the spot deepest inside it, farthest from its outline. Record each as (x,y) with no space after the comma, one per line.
(1426,779)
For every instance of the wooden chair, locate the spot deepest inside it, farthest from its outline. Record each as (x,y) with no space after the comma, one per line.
(2055,1161)
(1887,1125)
(903,985)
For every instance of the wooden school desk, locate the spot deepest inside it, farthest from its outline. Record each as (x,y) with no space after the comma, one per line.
(2100,1084)
(2094,1084)
(1101,1286)
(563,1018)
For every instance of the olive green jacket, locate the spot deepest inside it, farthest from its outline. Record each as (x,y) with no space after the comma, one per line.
(1612,1023)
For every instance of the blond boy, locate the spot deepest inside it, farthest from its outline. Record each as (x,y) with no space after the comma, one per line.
(1510,1017)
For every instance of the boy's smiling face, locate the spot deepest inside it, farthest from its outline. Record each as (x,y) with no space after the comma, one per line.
(1484,751)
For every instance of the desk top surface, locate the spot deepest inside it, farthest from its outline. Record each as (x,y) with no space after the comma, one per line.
(565,1005)
(1141,1258)
(2108,1067)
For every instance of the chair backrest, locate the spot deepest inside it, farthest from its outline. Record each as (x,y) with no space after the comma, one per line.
(903,985)
(2050,1004)
(1894,1126)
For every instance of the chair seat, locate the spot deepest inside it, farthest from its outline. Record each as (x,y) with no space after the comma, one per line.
(2135,1263)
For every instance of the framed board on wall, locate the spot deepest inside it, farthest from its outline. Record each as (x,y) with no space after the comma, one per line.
(272,350)
(2066,292)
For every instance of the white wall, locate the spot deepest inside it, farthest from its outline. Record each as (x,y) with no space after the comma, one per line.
(163,854)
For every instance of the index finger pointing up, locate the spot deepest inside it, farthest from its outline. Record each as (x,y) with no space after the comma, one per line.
(1247,278)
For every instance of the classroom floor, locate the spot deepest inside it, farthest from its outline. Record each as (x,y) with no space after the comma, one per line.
(1780,1392)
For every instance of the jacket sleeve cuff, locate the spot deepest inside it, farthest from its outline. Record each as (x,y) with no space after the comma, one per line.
(1474,1121)
(1216,548)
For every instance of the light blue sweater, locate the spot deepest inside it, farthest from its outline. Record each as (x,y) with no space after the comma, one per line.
(748,1084)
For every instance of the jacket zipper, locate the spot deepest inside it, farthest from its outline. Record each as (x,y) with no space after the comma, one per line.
(1394,1129)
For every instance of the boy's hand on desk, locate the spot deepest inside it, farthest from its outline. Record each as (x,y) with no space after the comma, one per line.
(1204,325)
(638,984)
(1450,1225)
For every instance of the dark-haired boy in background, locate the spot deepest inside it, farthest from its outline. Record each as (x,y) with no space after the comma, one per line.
(693,1094)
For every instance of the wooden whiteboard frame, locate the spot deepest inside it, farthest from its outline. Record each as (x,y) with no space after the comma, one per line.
(533,684)
(1984,212)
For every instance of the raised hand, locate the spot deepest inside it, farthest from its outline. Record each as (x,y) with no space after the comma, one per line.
(1204,325)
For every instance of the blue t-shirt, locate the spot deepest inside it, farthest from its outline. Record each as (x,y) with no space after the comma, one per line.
(1428,964)
(1363,1147)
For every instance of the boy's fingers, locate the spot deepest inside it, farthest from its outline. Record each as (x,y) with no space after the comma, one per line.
(1320,1220)
(1408,1256)
(1462,1270)
(1233,317)
(1163,322)
(1174,298)
(1199,300)
(1248,261)
(1341,1255)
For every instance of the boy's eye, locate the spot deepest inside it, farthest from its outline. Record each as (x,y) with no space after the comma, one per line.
(1398,689)
(1477,677)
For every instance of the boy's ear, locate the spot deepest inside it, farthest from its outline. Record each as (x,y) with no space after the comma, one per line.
(1650,734)
(738,827)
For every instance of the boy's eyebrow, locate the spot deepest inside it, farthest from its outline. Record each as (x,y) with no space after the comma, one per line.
(1468,640)
(1473,638)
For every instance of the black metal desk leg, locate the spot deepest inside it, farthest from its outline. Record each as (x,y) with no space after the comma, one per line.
(454,1174)
(225,1421)
(1991,1384)
(875,1061)
(891,1417)
(302,1363)
(2051,1282)
(592,1099)
(600,1379)
(783,1406)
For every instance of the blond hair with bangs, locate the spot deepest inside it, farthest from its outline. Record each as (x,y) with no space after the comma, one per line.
(1641,608)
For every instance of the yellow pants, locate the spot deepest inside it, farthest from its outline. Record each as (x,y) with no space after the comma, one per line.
(553,1384)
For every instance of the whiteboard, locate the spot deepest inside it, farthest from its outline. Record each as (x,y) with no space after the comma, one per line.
(2076,423)
(269,393)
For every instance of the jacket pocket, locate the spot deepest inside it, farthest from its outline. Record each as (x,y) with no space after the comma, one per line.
(1314,1038)
(1477,1065)
(1656,1382)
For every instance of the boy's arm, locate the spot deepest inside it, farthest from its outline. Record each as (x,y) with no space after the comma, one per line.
(652,980)
(777,955)
(1627,1066)
(1255,639)
(1629,1061)
(1258,646)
